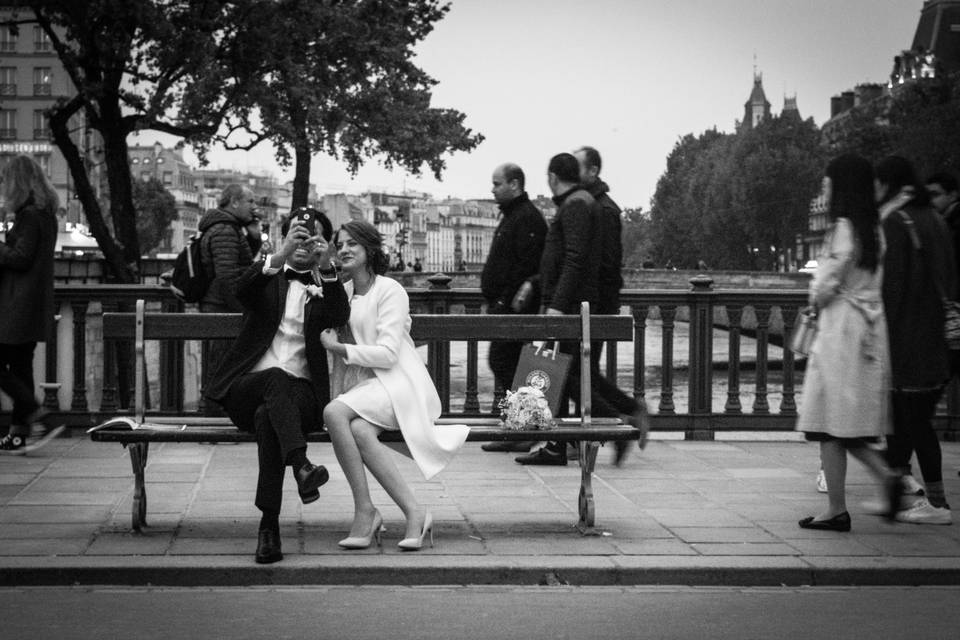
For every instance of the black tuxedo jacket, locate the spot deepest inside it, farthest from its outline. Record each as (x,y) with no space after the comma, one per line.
(263,298)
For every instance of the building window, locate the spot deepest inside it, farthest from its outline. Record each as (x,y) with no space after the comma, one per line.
(8,124)
(8,81)
(43,159)
(42,81)
(8,39)
(168,178)
(41,41)
(146,175)
(41,128)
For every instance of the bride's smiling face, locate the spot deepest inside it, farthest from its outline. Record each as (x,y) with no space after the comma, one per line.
(353,257)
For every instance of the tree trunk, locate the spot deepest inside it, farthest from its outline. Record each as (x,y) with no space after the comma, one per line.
(122,212)
(59,127)
(301,176)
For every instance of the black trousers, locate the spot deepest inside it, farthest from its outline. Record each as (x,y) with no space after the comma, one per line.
(503,357)
(280,409)
(16,380)
(606,399)
(913,431)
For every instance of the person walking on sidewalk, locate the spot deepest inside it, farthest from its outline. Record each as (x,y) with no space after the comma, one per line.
(845,400)
(569,274)
(273,380)
(507,280)
(610,283)
(26,298)
(918,276)
(226,252)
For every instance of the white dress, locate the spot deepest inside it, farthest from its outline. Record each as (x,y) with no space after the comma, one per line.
(384,380)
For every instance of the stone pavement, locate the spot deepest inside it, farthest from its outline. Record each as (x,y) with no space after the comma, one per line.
(693,513)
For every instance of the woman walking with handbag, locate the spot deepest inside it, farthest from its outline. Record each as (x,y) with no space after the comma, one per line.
(845,400)
(918,277)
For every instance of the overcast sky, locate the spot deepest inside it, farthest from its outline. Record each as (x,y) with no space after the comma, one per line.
(629,77)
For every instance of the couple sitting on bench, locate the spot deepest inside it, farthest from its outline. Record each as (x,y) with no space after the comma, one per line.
(274,380)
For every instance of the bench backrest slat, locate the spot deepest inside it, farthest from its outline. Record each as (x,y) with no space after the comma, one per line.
(197,326)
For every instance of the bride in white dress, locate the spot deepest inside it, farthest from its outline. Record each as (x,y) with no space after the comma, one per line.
(383,385)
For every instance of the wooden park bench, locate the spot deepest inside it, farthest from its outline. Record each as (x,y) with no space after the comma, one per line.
(138,430)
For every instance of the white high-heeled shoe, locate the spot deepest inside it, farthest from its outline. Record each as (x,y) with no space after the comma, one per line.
(362,542)
(415,544)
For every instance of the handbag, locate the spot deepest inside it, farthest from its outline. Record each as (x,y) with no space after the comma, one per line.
(543,369)
(804,332)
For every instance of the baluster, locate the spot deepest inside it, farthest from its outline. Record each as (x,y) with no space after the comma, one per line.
(639,350)
(788,406)
(471,403)
(668,312)
(701,346)
(108,397)
(760,404)
(79,400)
(734,317)
(172,372)
(51,387)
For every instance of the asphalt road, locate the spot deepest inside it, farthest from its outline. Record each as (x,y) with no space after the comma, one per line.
(553,613)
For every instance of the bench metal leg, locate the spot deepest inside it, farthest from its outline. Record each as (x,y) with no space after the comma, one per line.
(588,459)
(138,459)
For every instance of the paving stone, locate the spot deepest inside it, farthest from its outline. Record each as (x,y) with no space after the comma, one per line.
(130,544)
(724,534)
(31,497)
(45,547)
(53,514)
(744,549)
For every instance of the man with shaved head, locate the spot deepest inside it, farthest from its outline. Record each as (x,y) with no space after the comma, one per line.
(512,264)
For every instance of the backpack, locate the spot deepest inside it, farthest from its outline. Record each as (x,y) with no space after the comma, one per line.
(189,280)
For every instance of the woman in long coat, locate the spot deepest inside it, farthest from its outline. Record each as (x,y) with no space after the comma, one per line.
(385,385)
(26,296)
(845,400)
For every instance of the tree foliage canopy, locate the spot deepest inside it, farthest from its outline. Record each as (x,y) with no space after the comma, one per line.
(308,75)
(156,209)
(736,200)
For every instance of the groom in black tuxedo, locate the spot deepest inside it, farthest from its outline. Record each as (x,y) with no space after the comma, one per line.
(274,380)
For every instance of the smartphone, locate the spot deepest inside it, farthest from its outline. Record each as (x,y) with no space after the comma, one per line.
(308,219)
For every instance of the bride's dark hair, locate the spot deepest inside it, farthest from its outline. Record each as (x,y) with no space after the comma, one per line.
(370,239)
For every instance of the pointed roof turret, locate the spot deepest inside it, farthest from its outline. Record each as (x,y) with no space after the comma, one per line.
(757,107)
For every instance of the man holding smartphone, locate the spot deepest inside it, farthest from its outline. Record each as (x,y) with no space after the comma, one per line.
(274,380)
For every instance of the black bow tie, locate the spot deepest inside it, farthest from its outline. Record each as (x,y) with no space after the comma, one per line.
(303,276)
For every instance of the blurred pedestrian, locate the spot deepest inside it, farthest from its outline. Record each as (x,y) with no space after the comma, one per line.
(918,275)
(26,298)
(509,272)
(845,400)
(610,227)
(226,252)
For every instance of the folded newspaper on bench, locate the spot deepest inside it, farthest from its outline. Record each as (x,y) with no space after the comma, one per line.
(121,423)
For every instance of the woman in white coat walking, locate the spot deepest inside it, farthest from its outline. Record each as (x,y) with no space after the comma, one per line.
(845,404)
(383,385)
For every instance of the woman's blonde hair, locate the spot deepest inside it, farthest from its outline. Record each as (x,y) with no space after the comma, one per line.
(22,179)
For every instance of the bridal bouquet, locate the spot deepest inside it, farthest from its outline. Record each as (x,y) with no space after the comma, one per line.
(526,408)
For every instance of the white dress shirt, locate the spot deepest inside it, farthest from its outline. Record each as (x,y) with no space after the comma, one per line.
(288,350)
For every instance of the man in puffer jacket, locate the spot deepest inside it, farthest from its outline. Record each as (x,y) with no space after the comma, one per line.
(226,254)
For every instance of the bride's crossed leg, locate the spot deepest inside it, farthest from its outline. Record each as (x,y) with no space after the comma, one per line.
(356,443)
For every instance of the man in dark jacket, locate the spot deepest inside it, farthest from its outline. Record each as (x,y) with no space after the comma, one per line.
(611,281)
(274,380)
(611,257)
(226,253)
(569,274)
(918,271)
(513,260)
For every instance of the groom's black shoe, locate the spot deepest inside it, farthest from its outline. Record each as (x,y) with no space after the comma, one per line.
(268,547)
(552,453)
(310,477)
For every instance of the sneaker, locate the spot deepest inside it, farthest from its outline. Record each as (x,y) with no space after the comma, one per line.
(922,512)
(13,445)
(19,445)
(821,482)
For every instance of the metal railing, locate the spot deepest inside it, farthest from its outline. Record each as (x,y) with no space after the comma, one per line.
(704,360)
